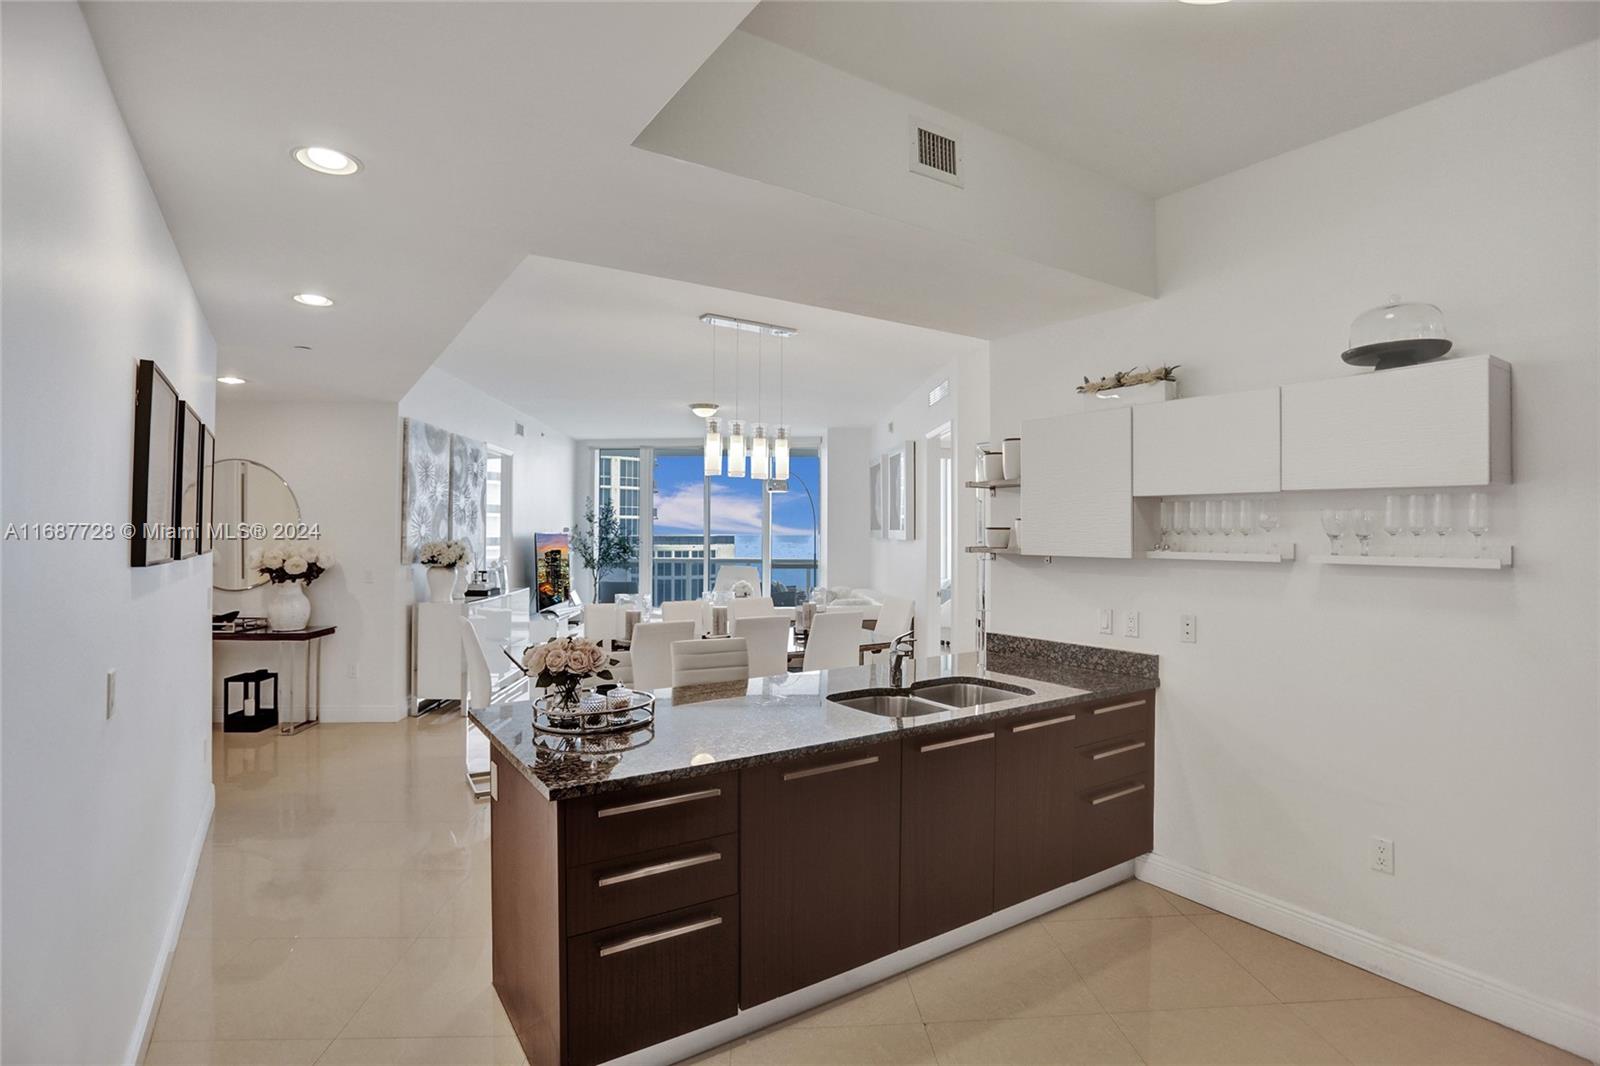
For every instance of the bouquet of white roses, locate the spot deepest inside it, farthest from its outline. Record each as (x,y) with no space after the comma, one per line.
(742,589)
(296,560)
(564,663)
(447,553)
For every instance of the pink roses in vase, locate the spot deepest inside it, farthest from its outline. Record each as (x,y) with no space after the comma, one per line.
(563,664)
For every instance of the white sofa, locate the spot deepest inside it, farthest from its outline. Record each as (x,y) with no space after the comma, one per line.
(867,601)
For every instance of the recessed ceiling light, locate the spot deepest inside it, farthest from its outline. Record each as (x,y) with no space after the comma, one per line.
(229,379)
(1202,3)
(327,161)
(312,299)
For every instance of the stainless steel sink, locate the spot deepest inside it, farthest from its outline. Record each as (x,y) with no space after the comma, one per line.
(960,693)
(889,705)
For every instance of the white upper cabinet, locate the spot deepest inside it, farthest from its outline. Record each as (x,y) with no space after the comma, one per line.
(1446,423)
(1207,445)
(1077,485)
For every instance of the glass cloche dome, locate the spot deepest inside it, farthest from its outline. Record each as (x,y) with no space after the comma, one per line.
(1397,334)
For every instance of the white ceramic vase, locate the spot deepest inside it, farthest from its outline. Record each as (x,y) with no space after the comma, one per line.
(287,606)
(441,584)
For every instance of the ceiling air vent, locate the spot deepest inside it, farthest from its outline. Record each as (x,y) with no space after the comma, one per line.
(935,152)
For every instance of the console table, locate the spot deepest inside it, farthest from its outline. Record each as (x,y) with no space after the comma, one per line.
(310,640)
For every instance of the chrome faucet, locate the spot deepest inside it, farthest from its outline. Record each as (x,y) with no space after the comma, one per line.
(901,648)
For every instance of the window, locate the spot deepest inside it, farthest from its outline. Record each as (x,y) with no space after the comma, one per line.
(696,525)
(496,507)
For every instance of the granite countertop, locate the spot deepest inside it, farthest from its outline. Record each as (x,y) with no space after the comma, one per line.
(782,717)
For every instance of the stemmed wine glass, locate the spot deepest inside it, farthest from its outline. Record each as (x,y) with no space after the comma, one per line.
(1442,523)
(1196,522)
(1362,524)
(1267,519)
(1478,519)
(1394,518)
(1416,518)
(1166,525)
(1333,526)
(1245,519)
(1211,522)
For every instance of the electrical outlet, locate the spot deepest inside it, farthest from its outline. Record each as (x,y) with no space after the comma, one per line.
(1130,624)
(1186,628)
(1106,625)
(352,671)
(111,694)
(1383,855)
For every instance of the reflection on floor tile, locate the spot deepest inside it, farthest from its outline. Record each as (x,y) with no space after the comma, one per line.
(1264,1035)
(1293,973)
(340,916)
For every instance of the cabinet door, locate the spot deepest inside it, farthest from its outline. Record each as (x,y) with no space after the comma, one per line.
(1114,823)
(946,833)
(820,890)
(1445,423)
(1207,445)
(1077,490)
(1034,801)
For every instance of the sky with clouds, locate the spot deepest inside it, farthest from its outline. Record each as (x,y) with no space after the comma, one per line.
(735,502)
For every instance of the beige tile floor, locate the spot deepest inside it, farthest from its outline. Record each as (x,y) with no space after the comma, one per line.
(340,916)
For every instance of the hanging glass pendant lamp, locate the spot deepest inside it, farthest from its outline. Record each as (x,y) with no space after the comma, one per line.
(736,431)
(760,465)
(780,438)
(708,411)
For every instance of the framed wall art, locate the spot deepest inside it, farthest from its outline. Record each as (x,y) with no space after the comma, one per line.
(191,447)
(900,492)
(155,444)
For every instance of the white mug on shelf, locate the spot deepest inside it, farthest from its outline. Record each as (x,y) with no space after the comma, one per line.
(1011,458)
(997,537)
(992,467)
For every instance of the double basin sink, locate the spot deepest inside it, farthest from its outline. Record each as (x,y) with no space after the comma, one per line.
(933,696)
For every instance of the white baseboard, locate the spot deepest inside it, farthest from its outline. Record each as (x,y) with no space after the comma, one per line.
(362,712)
(1555,1023)
(798,1002)
(140,1038)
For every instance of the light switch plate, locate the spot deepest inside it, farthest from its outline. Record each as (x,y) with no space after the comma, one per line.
(1106,625)
(1130,624)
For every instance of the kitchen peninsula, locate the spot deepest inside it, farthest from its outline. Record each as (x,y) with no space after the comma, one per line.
(757,845)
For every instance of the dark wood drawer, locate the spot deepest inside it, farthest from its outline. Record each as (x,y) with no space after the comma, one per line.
(634,820)
(1116,718)
(1113,824)
(1111,760)
(637,984)
(619,890)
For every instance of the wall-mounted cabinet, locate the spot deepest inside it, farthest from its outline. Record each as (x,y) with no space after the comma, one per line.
(1207,445)
(1077,492)
(1439,424)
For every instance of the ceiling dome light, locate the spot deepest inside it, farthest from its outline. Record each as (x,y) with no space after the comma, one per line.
(229,379)
(1202,3)
(327,161)
(704,408)
(312,299)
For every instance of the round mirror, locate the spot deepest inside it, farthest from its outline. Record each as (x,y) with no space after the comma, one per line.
(256,506)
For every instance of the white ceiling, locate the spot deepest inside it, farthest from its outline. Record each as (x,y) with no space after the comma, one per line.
(1162,96)
(607,354)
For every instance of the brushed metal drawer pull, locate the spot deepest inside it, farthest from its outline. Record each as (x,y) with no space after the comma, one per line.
(1118,794)
(957,743)
(660,935)
(1118,707)
(795,775)
(664,801)
(1024,727)
(1135,746)
(657,868)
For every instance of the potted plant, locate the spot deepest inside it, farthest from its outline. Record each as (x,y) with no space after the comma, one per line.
(560,666)
(604,546)
(289,568)
(441,557)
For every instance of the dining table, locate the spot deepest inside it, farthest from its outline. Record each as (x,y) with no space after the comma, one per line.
(797,642)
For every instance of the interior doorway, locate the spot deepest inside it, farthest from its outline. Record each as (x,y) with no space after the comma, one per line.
(940,491)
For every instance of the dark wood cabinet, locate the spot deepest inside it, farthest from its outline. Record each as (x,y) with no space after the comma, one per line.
(947,804)
(1112,823)
(820,868)
(1035,795)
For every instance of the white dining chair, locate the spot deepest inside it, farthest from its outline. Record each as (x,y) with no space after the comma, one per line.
(894,618)
(768,638)
(685,611)
(602,623)
(729,576)
(834,640)
(652,652)
(750,607)
(480,687)
(703,662)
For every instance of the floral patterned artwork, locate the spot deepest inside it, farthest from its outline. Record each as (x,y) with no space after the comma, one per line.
(425,492)
(469,462)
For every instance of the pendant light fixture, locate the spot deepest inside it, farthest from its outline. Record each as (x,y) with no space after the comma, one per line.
(780,438)
(760,466)
(736,431)
(713,465)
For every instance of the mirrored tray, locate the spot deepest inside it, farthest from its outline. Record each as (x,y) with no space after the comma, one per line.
(640,712)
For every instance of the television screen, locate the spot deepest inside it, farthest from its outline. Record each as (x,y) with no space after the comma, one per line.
(552,554)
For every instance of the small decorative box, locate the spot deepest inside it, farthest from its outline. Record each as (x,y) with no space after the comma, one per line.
(592,703)
(620,698)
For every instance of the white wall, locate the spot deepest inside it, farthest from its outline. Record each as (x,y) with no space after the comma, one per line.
(342,459)
(846,546)
(765,112)
(1453,712)
(542,459)
(103,819)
